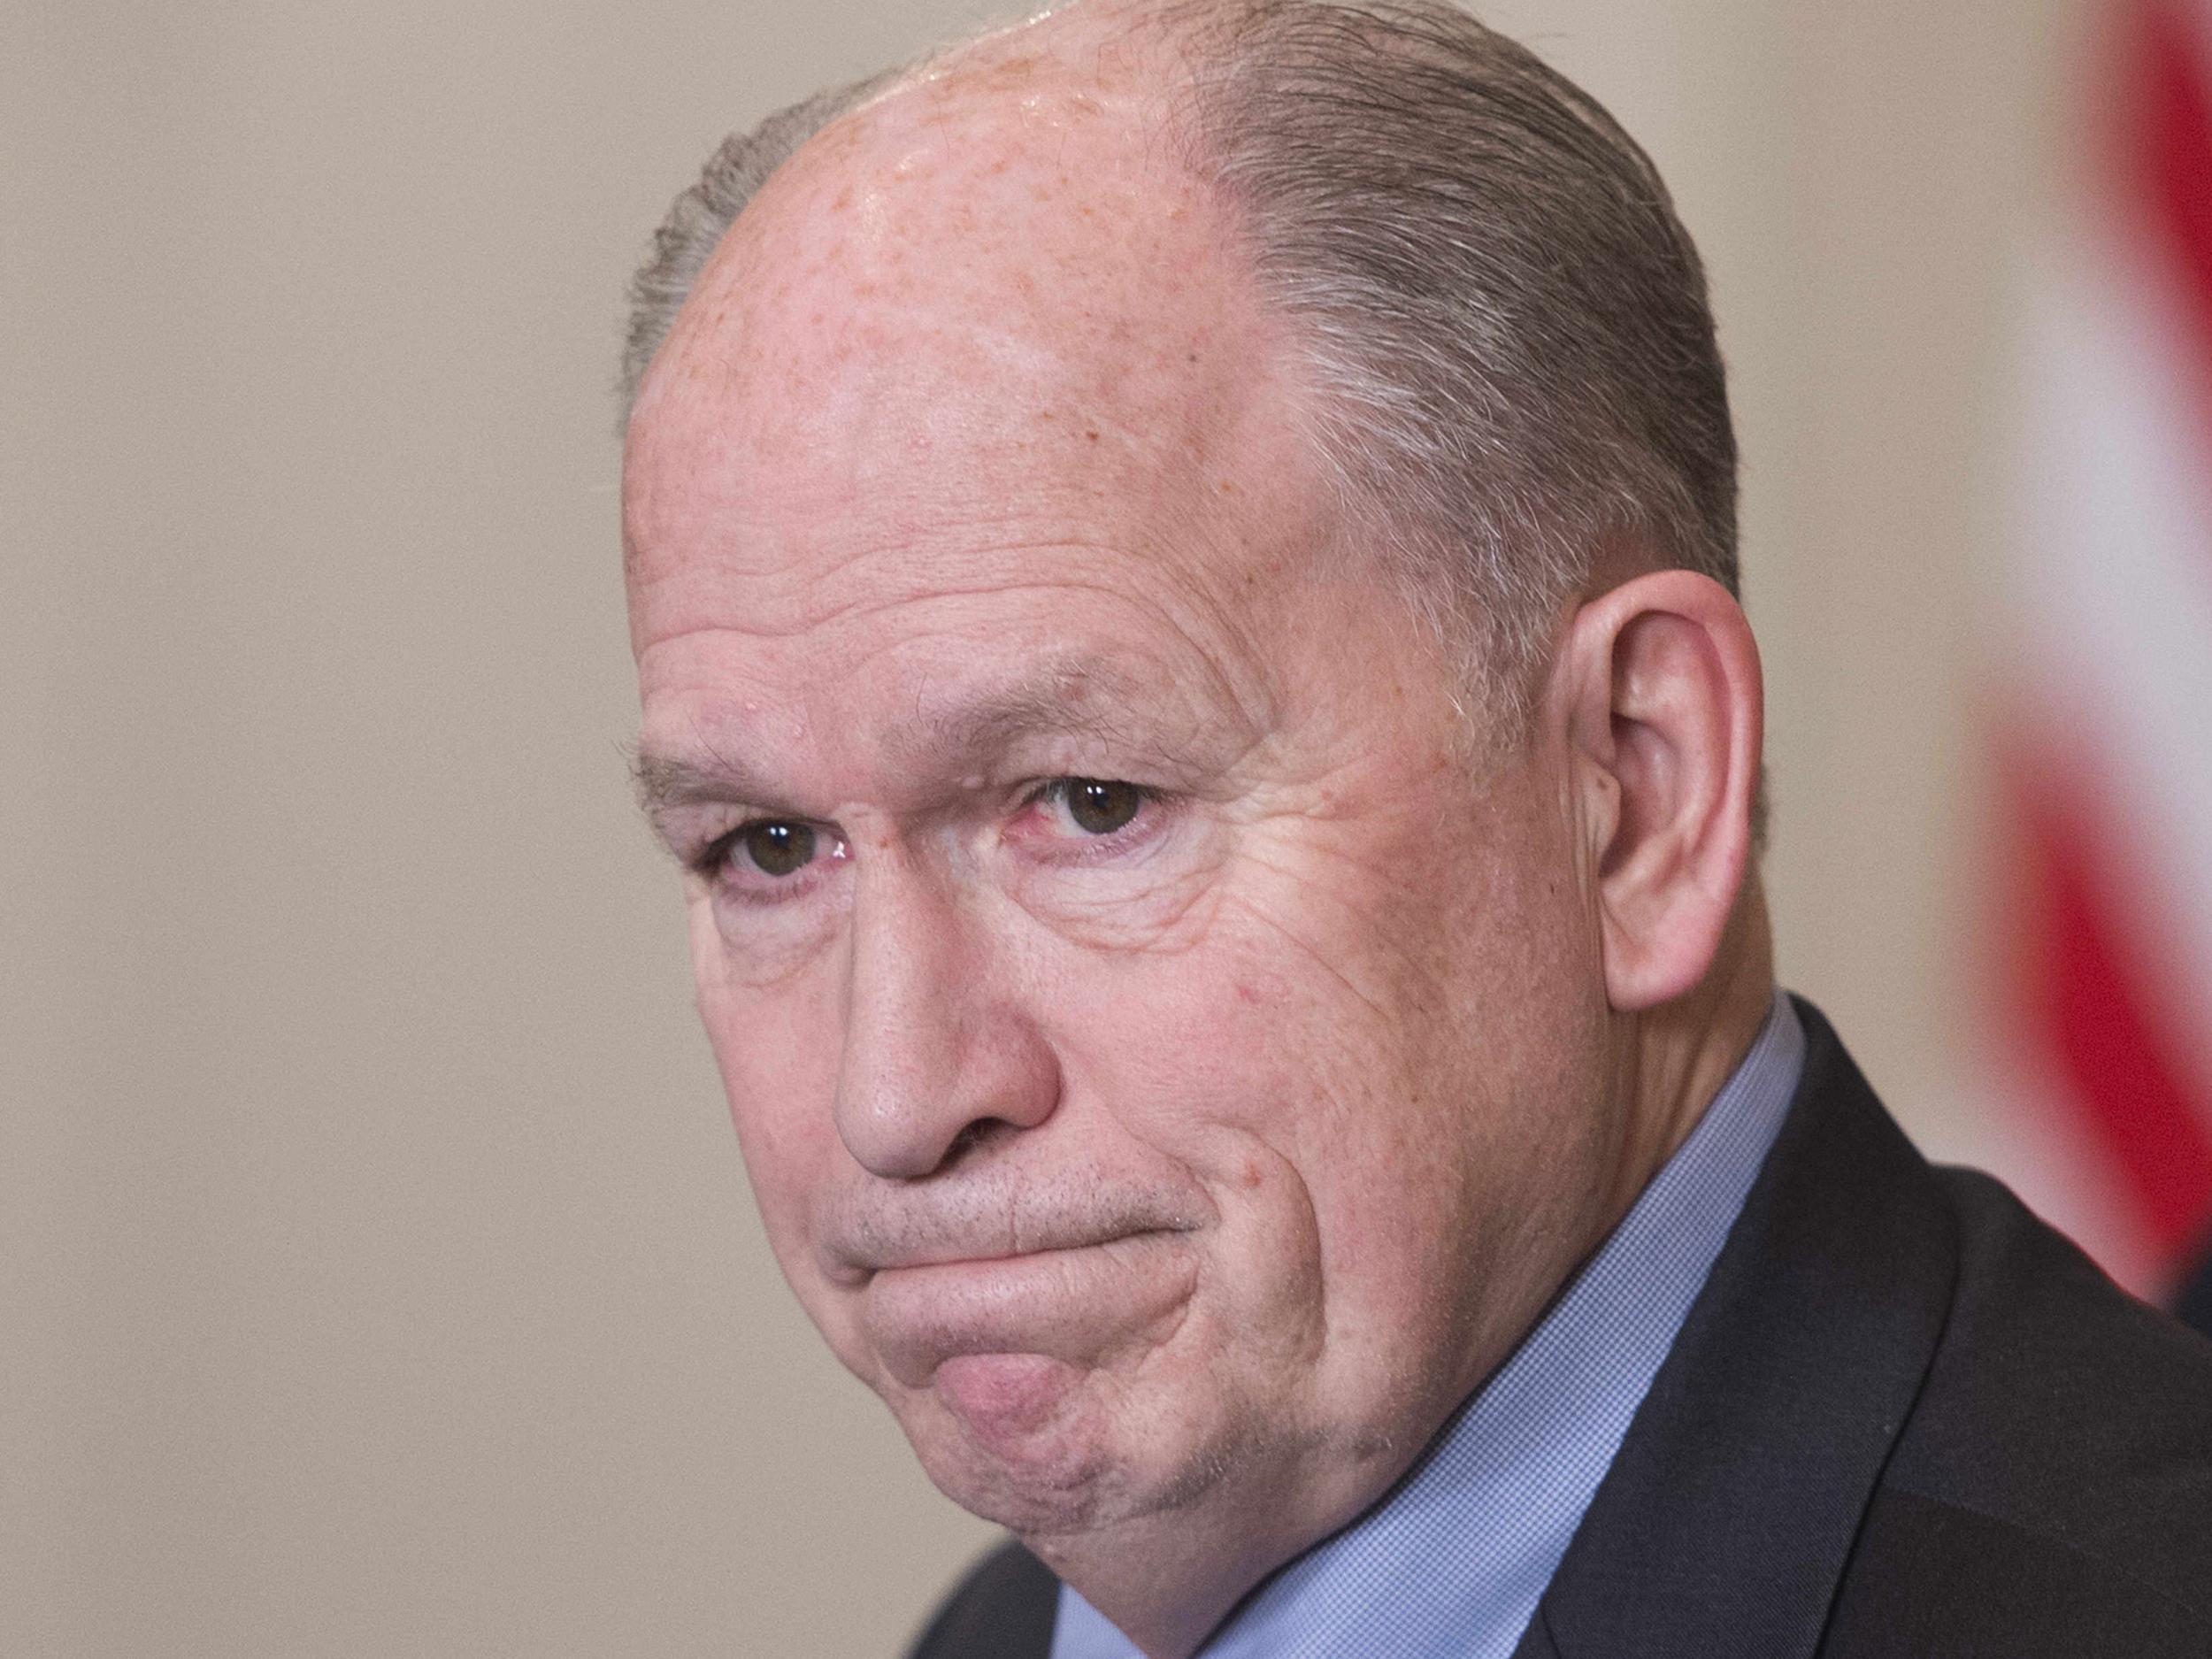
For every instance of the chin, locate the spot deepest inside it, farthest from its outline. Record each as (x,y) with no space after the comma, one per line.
(1047,1450)
(1020,1440)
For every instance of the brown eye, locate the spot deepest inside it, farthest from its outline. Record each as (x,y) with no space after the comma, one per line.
(1099,807)
(778,849)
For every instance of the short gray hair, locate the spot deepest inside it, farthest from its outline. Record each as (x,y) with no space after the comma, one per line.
(1506,323)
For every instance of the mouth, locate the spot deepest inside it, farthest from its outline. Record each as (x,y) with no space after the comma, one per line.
(985,1231)
(949,1253)
(1069,1302)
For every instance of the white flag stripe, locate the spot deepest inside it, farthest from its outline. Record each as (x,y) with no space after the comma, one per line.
(2115,588)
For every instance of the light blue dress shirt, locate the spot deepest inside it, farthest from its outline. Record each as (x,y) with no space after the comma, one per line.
(1452,1565)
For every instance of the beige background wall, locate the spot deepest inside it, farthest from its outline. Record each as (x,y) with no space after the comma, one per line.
(376,1271)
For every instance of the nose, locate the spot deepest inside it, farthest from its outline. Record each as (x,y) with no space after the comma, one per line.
(935,1044)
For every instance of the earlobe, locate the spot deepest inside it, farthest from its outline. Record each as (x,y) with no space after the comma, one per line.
(1666,717)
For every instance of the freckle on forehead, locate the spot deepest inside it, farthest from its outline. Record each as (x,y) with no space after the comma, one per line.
(1051,216)
(1016,291)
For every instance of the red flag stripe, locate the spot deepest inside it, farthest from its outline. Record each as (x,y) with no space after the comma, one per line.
(2173,154)
(2079,976)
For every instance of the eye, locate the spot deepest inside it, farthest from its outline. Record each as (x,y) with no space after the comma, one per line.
(776,848)
(768,853)
(1099,806)
(1095,806)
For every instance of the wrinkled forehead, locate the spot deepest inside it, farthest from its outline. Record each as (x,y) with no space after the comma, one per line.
(997,285)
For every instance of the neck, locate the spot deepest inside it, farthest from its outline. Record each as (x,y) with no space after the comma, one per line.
(1164,1595)
(1673,1059)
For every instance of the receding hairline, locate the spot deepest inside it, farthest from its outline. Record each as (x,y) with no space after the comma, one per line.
(1362,144)
(835,119)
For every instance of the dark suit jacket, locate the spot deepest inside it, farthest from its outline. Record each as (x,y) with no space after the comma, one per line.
(1903,1418)
(2193,1306)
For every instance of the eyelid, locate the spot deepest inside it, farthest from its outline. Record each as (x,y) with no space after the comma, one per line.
(1057,787)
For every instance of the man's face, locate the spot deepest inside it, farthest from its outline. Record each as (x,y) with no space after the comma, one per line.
(1165,1067)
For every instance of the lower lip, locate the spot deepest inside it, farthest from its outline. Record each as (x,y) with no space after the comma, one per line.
(1064,1305)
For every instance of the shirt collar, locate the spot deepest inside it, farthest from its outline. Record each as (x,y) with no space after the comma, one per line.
(1453,1561)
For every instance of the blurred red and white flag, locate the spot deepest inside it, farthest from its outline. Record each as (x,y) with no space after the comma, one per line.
(2103,690)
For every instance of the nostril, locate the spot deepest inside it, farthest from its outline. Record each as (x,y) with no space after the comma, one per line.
(974,1135)
(965,1140)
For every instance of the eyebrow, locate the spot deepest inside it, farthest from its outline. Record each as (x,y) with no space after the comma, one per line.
(1083,698)
(665,781)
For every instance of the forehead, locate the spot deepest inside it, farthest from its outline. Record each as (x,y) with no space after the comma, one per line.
(1006,201)
(981,349)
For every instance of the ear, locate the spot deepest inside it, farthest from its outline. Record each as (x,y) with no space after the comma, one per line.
(1664,712)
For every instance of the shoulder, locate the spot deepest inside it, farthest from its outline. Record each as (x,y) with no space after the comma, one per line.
(2052,1490)
(1003,1608)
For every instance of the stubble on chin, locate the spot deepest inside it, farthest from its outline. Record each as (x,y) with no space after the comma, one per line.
(1056,1453)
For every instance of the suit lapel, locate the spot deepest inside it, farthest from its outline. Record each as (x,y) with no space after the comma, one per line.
(1723,1527)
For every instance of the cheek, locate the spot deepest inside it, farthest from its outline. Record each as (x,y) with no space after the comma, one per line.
(1298,1009)
(1196,1052)
(1365,1066)
(777,1049)
(1233,1061)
